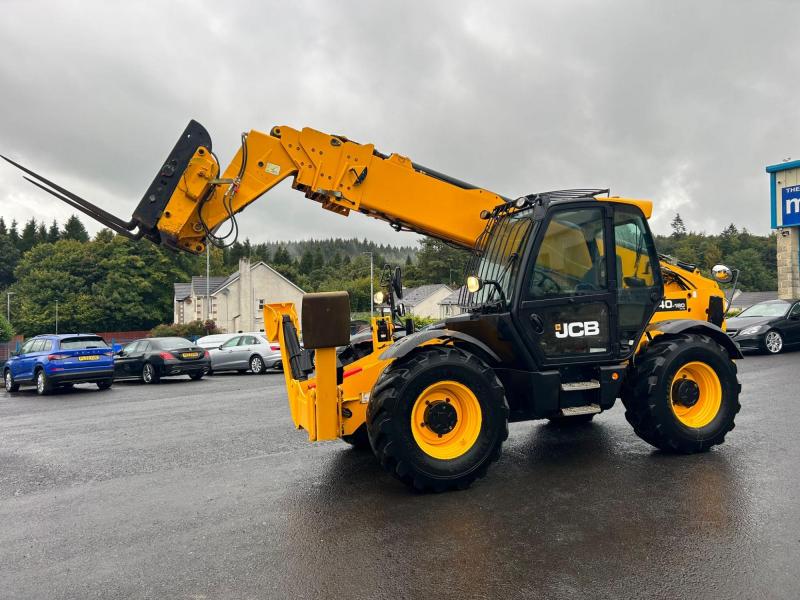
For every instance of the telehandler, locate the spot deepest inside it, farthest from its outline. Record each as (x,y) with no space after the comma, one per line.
(568,307)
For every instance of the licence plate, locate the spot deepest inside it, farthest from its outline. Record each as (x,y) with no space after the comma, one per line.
(190,355)
(89,357)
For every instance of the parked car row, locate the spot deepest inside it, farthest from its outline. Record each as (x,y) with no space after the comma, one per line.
(768,327)
(60,361)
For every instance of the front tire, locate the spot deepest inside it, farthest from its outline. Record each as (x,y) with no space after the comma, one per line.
(8,380)
(257,365)
(196,376)
(150,373)
(105,384)
(772,342)
(437,419)
(684,394)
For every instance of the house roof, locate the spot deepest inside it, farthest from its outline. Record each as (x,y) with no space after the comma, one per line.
(182,290)
(745,299)
(197,286)
(235,275)
(452,299)
(413,296)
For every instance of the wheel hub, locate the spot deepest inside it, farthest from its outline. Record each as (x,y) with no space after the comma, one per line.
(685,392)
(441,417)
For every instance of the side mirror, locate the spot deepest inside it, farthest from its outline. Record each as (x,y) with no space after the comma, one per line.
(13,353)
(721,274)
(119,353)
(397,282)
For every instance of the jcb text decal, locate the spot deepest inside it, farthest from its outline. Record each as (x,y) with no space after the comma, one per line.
(577,329)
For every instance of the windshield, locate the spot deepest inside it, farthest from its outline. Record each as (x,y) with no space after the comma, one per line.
(172,343)
(498,257)
(82,343)
(766,309)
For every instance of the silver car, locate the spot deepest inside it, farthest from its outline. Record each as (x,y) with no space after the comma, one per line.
(246,351)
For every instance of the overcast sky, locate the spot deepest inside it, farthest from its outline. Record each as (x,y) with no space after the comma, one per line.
(680,102)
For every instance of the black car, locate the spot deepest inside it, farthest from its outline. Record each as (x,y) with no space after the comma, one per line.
(150,359)
(767,326)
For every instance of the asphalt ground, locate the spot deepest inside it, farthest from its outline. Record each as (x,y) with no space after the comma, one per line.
(204,490)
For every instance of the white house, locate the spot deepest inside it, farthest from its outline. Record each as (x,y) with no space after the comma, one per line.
(424,300)
(236,301)
(449,306)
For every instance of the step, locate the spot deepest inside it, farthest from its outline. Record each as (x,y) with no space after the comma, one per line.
(572,411)
(579,386)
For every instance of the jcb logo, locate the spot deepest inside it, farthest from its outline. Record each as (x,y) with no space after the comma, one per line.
(577,329)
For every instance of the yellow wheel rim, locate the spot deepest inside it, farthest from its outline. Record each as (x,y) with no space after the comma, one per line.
(696,394)
(446,420)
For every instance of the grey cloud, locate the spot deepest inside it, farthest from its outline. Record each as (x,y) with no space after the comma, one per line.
(680,102)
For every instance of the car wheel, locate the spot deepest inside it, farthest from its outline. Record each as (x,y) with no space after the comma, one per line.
(105,384)
(150,373)
(773,342)
(9,382)
(196,376)
(257,365)
(43,386)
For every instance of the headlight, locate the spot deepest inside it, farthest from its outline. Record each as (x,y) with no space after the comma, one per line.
(752,330)
(378,298)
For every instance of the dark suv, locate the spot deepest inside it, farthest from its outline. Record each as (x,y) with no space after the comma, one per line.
(50,361)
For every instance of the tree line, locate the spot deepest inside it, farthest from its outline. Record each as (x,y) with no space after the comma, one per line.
(110,283)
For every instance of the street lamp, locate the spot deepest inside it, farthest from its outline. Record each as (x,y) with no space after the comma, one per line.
(371,284)
(8,306)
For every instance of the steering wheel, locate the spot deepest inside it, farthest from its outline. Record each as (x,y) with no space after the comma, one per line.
(545,283)
(585,286)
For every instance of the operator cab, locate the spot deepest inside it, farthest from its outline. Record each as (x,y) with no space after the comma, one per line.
(545,272)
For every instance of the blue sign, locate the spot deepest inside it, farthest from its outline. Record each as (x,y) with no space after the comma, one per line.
(790,205)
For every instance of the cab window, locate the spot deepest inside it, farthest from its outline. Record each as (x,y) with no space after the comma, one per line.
(570,260)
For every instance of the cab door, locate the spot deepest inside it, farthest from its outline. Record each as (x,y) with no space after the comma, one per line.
(567,310)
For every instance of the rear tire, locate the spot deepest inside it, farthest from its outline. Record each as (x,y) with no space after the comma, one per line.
(43,385)
(150,373)
(105,385)
(359,439)
(196,376)
(257,365)
(8,380)
(651,392)
(456,383)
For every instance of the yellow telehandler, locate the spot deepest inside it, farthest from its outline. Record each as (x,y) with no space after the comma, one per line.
(567,307)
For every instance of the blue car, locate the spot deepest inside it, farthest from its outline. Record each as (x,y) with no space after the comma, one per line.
(51,361)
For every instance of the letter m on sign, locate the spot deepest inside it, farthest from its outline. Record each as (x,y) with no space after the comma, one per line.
(791,205)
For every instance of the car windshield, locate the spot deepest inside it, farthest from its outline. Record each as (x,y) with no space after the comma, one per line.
(498,260)
(766,309)
(172,343)
(82,343)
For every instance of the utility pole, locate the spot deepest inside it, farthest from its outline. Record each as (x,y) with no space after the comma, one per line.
(371,285)
(8,306)
(208,284)
(56,317)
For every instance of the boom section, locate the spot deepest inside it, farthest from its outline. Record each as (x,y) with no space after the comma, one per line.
(342,175)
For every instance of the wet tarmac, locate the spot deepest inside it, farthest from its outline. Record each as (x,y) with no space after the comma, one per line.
(204,490)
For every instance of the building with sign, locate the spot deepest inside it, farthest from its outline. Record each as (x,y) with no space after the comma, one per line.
(784,191)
